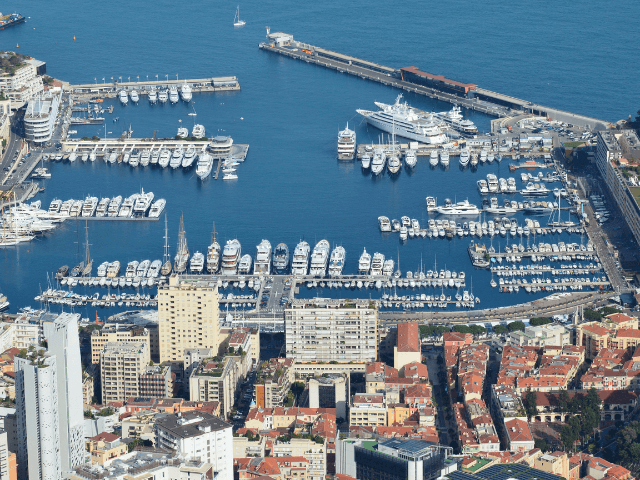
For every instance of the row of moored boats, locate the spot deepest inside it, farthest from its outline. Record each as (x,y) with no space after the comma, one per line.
(171,94)
(137,205)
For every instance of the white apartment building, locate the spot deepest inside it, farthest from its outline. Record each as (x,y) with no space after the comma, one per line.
(188,317)
(38,425)
(541,336)
(24,84)
(325,330)
(121,365)
(612,147)
(199,435)
(40,117)
(306,448)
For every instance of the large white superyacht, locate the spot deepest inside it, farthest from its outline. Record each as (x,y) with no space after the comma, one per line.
(300,263)
(460,208)
(231,257)
(346,144)
(204,166)
(364,263)
(320,259)
(405,121)
(455,120)
(262,265)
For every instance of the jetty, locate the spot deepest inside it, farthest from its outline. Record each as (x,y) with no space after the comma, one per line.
(411,79)
(198,85)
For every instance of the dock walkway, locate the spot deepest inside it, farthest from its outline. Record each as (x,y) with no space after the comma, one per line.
(211,84)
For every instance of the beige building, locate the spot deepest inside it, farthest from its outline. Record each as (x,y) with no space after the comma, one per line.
(368,410)
(407,349)
(104,447)
(556,463)
(541,336)
(114,333)
(120,367)
(273,382)
(215,380)
(188,317)
(309,449)
(243,448)
(326,330)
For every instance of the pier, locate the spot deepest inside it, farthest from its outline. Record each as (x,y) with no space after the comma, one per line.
(198,85)
(469,96)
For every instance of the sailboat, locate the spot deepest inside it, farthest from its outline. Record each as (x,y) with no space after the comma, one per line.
(166,259)
(182,256)
(88,262)
(236,21)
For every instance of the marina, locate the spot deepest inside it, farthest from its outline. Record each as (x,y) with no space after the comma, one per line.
(145,87)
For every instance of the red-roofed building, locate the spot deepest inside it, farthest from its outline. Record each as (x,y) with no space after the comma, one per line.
(407,349)
(519,435)
(104,447)
(456,339)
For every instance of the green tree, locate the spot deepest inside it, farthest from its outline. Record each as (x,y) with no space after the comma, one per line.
(461,329)
(592,315)
(531,404)
(542,445)
(564,401)
(500,329)
(536,321)
(514,326)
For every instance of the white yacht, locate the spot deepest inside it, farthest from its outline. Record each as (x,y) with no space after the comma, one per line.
(114,206)
(182,132)
(198,131)
(143,266)
(145,158)
(385,225)
(173,95)
(406,122)
(196,265)
(320,259)
(280,260)
(364,264)
(134,96)
(73,157)
(376,264)
(336,262)
(176,157)
(155,157)
(213,257)
(379,161)
(163,96)
(410,158)
(134,159)
(124,97)
(76,208)
(102,269)
(103,206)
(189,157)
(393,162)
(387,267)
(366,160)
(236,20)
(433,158)
(113,269)
(185,93)
(54,206)
(346,144)
(126,210)
(464,157)
(493,184)
(153,96)
(244,267)
(165,156)
(444,158)
(231,257)
(132,267)
(85,157)
(535,190)
(157,208)
(205,164)
(143,203)
(154,269)
(89,206)
(460,208)
(262,265)
(300,262)
(455,120)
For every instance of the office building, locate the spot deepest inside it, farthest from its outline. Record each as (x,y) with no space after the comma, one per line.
(121,365)
(393,459)
(188,317)
(199,435)
(331,330)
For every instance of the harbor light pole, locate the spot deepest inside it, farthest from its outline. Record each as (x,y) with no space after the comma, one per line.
(138,77)
(147,78)
(176,76)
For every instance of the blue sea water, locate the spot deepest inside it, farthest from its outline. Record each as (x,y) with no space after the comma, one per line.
(291,186)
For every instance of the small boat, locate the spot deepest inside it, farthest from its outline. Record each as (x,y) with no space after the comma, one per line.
(236,20)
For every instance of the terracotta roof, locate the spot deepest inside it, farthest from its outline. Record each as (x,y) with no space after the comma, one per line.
(105,436)
(596,329)
(619,317)
(408,337)
(518,430)
(628,333)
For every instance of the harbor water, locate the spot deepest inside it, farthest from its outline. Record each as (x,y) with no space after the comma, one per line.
(291,186)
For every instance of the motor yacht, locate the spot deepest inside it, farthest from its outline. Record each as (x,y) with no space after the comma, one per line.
(213,256)
(163,96)
(364,263)
(320,259)
(464,157)
(336,262)
(165,157)
(114,206)
(377,264)
(157,208)
(300,262)
(103,206)
(244,267)
(185,93)
(143,203)
(433,158)
(410,158)
(124,97)
(262,264)
(204,166)
(196,264)
(460,208)
(176,157)
(281,259)
(231,257)
(173,94)
(134,96)
(153,96)
(198,131)
(346,144)
(385,225)
(189,157)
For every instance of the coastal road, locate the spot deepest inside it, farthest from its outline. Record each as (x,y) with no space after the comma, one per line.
(9,160)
